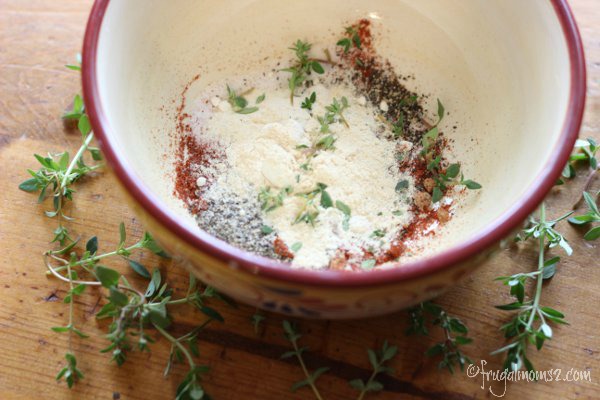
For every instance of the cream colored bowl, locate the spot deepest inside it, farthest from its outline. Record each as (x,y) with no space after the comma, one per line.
(510,72)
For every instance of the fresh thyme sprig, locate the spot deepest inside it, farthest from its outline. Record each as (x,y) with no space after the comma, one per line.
(352,39)
(310,211)
(593,215)
(326,142)
(269,200)
(190,387)
(544,229)
(58,171)
(54,179)
(430,138)
(324,122)
(378,233)
(239,104)
(397,126)
(378,359)
(309,101)
(531,325)
(302,68)
(443,178)
(455,333)
(334,114)
(324,139)
(449,177)
(336,110)
(292,335)
(585,151)
(88,264)
(70,371)
(132,311)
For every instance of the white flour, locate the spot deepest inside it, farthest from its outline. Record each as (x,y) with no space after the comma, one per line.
(261,151)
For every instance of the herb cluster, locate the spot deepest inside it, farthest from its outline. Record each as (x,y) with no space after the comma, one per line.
(239,104)
(377,358)
(585,151)
(444,178)
(448,178)
(455,334)
(269,200)
(351,41)
(292,335)
(318,197)
(309,101)
(309,211)
(531,322)
(592,216)
(131,311)
(324,139)
(302,67)
(58,171)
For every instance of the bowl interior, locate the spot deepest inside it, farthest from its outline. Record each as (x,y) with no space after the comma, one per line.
(501,68)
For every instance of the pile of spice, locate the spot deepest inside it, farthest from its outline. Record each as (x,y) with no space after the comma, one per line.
(329,163)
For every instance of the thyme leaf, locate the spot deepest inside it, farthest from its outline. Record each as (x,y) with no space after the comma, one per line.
(592,216)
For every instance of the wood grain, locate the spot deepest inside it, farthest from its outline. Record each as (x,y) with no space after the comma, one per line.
(36,39)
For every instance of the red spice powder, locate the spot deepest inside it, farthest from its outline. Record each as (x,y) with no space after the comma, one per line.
(186,187)
(190,154)
(281,249)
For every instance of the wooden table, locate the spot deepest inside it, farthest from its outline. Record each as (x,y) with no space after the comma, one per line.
(36,39)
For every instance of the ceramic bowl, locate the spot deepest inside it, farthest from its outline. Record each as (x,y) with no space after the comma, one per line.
(511,74)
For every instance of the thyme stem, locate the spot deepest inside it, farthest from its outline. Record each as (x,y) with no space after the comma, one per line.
(305,370)
(540,278)
(79,154)
(71,308)
(177,343)
(586,186)
(54,272)
(94,258)
(364,391)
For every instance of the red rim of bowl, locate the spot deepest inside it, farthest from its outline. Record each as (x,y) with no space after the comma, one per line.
(268,268)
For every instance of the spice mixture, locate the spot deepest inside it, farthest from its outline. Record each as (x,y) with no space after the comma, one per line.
(327,163)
